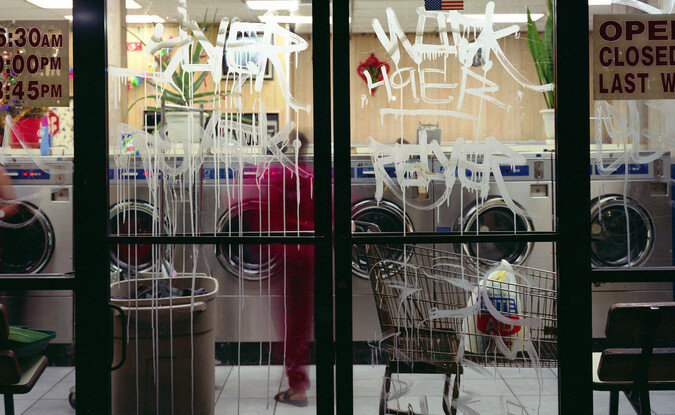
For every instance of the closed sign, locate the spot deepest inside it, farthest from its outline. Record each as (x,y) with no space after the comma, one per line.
(633,57)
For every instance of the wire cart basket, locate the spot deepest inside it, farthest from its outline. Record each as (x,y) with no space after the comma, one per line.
(440,311)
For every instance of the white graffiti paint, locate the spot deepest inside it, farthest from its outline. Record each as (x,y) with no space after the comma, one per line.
(472,164)
(667,6)
(460,49)
(264,49)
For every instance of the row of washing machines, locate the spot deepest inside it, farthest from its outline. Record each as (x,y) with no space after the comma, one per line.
(247,297)
(642,194)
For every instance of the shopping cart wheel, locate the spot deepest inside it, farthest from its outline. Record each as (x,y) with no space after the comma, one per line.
(71,397)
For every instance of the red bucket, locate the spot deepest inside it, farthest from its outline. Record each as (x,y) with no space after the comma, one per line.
(29,127)
(28,131)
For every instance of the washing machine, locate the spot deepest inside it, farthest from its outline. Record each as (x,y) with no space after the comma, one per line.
(134,210)
(38,240)
(640,193)
(530,186)
(389,215)
(250,277)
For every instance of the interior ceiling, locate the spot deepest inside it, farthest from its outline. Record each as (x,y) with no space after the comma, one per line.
(362,11)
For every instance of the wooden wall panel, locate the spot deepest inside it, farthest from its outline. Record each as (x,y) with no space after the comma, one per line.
(520,122)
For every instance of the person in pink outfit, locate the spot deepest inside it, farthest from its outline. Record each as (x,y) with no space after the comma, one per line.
(290,210)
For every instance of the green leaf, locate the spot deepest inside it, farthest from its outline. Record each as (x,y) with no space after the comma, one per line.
(198,82)
(136,36)
(542,52)
(536,45)
(153,97)
(550,53)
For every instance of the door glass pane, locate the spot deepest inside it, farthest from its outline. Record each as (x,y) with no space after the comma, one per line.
(630,148)
(449,136)
(36,185)
(631,175)
(211,134)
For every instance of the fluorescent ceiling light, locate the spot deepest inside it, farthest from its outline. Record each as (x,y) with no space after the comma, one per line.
(286,19)
(506,18)
(144,18)
(291,19)
(272,5)
(134,18)
(52,4)
(68,4)
(599,2)
(131,4)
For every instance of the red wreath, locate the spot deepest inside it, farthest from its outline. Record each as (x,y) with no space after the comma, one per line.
(374,67)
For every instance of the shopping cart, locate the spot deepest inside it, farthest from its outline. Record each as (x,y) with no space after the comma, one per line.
(440,311)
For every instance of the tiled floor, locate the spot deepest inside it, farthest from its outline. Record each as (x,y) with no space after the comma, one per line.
(246,390)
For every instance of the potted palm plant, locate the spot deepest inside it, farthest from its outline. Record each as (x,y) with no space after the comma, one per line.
(542,53)
(181,97)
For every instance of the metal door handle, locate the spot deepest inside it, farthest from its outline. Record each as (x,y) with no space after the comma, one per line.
(124,337)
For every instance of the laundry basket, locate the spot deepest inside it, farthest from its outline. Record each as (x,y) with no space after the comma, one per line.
(167,370)
(440,310)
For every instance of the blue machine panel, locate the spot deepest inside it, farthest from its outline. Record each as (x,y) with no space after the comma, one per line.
(507,171)
(209,173)
(367,172)
(36,174)
(515,171)
(632,169)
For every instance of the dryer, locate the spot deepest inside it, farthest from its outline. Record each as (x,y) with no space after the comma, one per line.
(38,240)
(530,185)
(389,215)
(631,226)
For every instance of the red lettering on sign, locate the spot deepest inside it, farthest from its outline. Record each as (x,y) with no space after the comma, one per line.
(656,27)
(488,325)
(668,82)
(634,27)
(605,30)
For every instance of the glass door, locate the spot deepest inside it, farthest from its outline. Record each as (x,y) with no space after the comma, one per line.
(630,174)
(37,192)
(452,177)
(217,159)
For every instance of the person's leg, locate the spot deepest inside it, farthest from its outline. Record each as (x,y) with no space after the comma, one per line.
(298,319)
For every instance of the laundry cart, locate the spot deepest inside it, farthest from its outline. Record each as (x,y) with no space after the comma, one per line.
(167,346)
(440,311)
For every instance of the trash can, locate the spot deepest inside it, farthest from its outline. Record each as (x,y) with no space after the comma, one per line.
(150,362)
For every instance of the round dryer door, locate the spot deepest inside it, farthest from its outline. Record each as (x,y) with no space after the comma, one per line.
(131,218)
(494,215)
(387,217)
(612,236)
(26,241)
(249,262)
